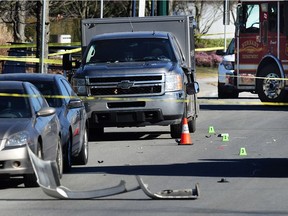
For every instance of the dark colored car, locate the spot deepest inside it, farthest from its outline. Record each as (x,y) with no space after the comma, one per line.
(70,110)
(26,119)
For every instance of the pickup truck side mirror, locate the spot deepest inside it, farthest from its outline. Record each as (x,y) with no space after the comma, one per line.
(192,88)
(220,52)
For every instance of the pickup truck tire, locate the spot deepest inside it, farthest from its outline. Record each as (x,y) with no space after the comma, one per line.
(269,90)
(176,129)
(192,125)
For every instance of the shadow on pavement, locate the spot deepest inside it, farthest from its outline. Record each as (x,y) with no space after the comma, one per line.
(260,168)
(116,136)
(242,107)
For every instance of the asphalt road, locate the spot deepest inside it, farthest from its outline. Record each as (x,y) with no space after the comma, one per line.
(230,183)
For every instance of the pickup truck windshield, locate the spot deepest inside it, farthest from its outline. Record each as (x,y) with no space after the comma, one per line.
(130,50)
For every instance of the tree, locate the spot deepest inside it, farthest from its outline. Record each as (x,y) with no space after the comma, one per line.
(14,13)
(90,9)
(206,13)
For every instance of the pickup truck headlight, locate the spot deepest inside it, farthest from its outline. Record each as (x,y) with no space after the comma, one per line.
(228,65)
(17,139)
(174,82)
(79,86)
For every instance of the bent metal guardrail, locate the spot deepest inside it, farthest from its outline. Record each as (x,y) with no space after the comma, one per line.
(48,179)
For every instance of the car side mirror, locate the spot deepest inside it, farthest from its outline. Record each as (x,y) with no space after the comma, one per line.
(46,111)
(75,103)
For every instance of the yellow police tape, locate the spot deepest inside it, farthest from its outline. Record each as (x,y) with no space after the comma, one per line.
(32,45)
(208,49)
(33,59)
(253,77)
(200,101)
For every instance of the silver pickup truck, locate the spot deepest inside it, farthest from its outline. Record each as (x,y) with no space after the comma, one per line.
(137,78)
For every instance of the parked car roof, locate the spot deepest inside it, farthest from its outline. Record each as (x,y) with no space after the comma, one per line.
(35,76)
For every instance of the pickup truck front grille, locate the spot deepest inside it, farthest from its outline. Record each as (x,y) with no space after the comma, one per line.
(130,91)
(119,79)
(128,85)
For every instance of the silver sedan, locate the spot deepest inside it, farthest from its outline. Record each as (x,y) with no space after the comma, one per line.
(26,118)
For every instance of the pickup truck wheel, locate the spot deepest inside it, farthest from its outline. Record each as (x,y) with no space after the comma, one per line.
(269,88)
(192,125)
(176,130)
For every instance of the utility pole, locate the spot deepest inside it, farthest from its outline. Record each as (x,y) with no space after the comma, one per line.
(226,20)
(43,32)
(42,47)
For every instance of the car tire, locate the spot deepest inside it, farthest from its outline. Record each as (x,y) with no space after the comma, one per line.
(30,180)
(68,155)
(82,158)
(59,158)
(270,90)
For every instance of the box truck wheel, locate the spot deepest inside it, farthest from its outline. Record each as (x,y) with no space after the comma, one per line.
(176,130)
(270,88)
(95,133)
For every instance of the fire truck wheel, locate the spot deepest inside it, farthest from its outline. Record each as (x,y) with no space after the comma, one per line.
(270,89)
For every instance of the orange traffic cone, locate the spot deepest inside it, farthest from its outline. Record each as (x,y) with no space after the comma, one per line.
(185,136)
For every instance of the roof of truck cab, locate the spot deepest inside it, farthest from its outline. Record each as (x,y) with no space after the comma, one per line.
(138,34)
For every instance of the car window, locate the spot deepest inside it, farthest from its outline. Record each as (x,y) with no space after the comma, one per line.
(68,88)
(14,106)
(50,92)
(249,18)
(38,101)
(64,92)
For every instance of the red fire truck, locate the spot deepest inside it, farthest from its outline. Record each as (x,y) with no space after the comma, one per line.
(261,49)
